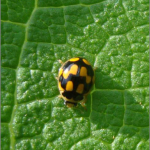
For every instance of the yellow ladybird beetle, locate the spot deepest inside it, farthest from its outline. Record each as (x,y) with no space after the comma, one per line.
(75,80)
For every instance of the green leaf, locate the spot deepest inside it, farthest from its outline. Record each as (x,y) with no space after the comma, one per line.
(113,35)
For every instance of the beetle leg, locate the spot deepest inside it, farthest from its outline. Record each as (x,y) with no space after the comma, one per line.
(60,61)
(56,78)
(83,103)
(95,68)
(59,96)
